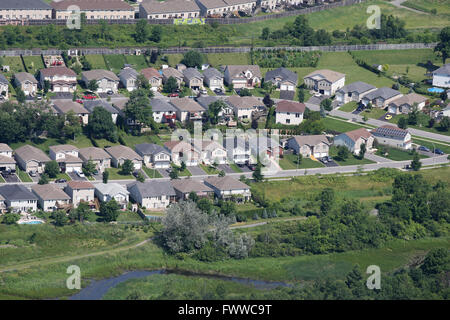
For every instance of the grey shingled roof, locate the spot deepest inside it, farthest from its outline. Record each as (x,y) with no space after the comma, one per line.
(24,4)
(237,71)
(186,105)
(170,6)
(162,106)
(152,188)
(211,73)
(3,79)
(24,76)
(149,148)
(311,140)
(445,69)
(128,73)
(390,131)
(98,74)
(226,183)
(384,92)
(205,101)
(191,73)
(357,86)
(28,153)
(190,185)
(91,104)
(49,192)
(283,73)
(14,192)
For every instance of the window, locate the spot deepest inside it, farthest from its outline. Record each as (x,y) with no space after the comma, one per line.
(288,120)
(297,115)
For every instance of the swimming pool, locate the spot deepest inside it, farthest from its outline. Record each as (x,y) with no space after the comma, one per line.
(32,222)
(435,90)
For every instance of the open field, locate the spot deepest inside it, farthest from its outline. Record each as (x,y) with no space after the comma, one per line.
(339,125)
(218,59)
(441,6)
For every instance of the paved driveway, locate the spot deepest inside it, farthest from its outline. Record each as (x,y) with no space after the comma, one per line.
(377,159)
(75,177)
(10,178)
(226,168)
(62,95)
(163,172)
(196,171)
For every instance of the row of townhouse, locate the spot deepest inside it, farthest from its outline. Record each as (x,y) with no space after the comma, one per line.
(152,195)
(120,9)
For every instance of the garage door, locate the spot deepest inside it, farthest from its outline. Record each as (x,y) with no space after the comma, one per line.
(137,166)
(320,154)
(283,87)
(291,88)
(65,89)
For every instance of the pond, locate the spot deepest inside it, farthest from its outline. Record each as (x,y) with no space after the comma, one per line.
(97,289)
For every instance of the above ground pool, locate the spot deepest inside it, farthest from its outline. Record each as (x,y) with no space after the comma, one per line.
(435,90)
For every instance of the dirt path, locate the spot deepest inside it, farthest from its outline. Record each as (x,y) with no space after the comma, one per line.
(398,4)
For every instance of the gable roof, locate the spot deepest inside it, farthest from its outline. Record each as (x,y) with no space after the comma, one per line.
(354,135)
(98,74)
(170,6)
(191,73)
(384,92)
(150,73)
(24,4)
(205,101)
(49,192)
(391,131)
(58,71)
(152,188)
(91,104)
(311,140)
(325,74)
(5,159)
(160,105)
(290,106)
(80,185)
(149,149)
(111,189)
(179,146)
(123,152)
(128,73)
(226,183)
(409,99)
(172,72)
(189,185)
(186,105)
(247,102)
(284,73)
(16,192)
(25,76)
(237,71)
(64,106)
(445,69)
(4,147)
(29,153)
(3,79)
(63,148)
(93,153)
(357,86)
(212,73)
(93,5)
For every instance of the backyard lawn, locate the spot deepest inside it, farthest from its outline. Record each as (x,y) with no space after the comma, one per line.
(96,60)
(15,64)
(218,59)
(34,64)
(129,216)
(289,162)
(396,154)
(115,62)
(138,62)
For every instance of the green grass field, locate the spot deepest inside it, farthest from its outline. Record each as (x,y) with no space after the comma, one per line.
(350,161)
(23,176)
(339,125)
(34,64)
(218,59)
(441,6)
(152,173)
(235,167)
(209,169)
(15,64)
(115,62)
(138,62)
(114,174)
(349,107)
(396,154)
(289,161)
(97,61)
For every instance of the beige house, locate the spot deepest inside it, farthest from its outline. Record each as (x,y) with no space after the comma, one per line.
(99,157)
(24,9)
(93,9)
(289,112)
(80,191)
(242,76)
(210,151)
(314,145)
(183,187)
(354,139)
(243,107)
(27,82)
(406,103)
(187,109)
(7,162)
(228,187)
(31,159)
(50,197)
(61,79)
(325,81)
(181,151)
(174,73)
(121,153)
(106,80)
(193,78)
(67,157)
(154,78)
(4,88)
(169,9)
(153,195)
(65,106)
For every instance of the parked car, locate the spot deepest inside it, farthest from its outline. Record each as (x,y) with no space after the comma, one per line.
(438,151)
(203,91)
(60,180)
(80,174)
(110,92)
(95,172)
(135,174)
(33,174)
(388,117)
(218,90)
(324,160)
(173,95)
(423,148)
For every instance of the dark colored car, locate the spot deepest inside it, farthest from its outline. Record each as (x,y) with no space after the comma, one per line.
(60,181)
(438,151)
(423,148)
(136,173)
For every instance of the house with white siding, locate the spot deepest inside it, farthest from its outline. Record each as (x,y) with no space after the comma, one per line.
(227,188)
(67,157)
(119,154)
(19,198)
(441,76)
(313,145)
(289,112)
(153,155)
(50,197)
(392,136)
(353,92)
(354,139)
(153,195)
(106,80)
(324,81)
(405,104)
(242,76)
(108,191)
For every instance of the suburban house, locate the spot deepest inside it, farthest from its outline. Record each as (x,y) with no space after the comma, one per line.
(193,78)
(163,111)
(106,80)
(4,88)
(354,139)
(282,78)
(90,105)
(187,109)
(18,198)
(353,92)
(154,78)
(67,157)
(445,112)
(263,145)
(406,103)
(381,97)
(238,150)
(121,153)
(153,9)
(61,79)
(24,9)
(219,8)
(31,159)
(441,76)
(154,195)
(183,187)
(243,107)
(325,81)
(99,157)
(228,187)
(7,162)
(242,76)
(64,106)
(80,191)
(27,82)
(98,9)
(272,4)
(213,78)
(205,101)
(174,73)
(211,151)
(128,77)
(153,155)
(108,191)
(181,151)
(313,145)
(393,136)
(50,197)
(289,112)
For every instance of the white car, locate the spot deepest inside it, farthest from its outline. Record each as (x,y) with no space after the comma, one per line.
(80,174)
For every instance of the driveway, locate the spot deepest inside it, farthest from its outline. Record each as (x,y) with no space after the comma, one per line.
(10,178)
(75,177)
(377,159)
(383,117)
(196,171)
(163,172)
(62,95)
(331,163)
(225,167)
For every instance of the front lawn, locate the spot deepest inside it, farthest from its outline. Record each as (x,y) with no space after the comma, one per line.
(235,167)
(184,173)
(61,176)
(340,126)
(289,162)
(152,173)
(209,169)
(351,160)
(396,154)
(115,174)
(373,113)
(349,107)
(23,176)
